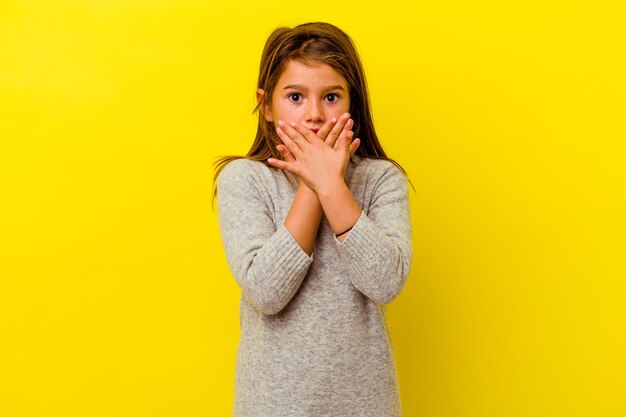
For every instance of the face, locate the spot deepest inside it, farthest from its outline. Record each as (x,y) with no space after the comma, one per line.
(309,95)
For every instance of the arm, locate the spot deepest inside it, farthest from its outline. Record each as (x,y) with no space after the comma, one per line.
(341,210)
(378,248)
(305,213)
(267,262)
(304,218)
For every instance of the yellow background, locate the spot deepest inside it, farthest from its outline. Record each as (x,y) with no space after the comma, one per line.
(115,296)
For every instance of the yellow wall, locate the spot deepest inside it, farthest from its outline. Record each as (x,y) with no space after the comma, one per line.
(115,296)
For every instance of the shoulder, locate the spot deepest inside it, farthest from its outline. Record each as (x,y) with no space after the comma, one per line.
(373,171)
(242,169)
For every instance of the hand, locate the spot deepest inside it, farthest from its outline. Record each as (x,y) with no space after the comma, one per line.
(320,159)
(329,133)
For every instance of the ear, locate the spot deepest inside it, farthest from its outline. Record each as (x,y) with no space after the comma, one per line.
(260,93)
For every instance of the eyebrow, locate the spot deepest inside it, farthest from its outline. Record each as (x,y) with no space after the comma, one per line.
(301,87)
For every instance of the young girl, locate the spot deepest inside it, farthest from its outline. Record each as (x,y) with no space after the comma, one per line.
(317,261)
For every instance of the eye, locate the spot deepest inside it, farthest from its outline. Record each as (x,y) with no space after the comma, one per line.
(291,95)
(334,97)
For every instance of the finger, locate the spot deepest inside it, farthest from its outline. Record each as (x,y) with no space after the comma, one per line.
(287,166)
(293,134)
(308,134)
(324,130)
(345,135)
(345,144)
(346,128)
(285,153)
(337,129)
(354,145)
(291,145)
(278,163)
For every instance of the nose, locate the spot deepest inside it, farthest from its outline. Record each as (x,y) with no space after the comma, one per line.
(314,113)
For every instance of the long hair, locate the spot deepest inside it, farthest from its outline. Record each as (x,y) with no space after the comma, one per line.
(309,43)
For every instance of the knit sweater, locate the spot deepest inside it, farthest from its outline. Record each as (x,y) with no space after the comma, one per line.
(314,337)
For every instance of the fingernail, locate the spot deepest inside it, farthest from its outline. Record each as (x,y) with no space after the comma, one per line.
(280,123)
(293,124)
(334,120)
(347,115)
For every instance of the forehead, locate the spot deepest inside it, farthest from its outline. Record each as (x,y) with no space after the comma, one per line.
(313,76)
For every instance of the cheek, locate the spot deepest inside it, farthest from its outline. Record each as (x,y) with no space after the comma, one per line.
(281,111)
(339,110)
(345,107)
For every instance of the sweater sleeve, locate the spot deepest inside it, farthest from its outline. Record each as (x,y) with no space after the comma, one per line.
(378,249)
(267,262)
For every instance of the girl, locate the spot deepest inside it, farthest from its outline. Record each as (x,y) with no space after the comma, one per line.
(317,261)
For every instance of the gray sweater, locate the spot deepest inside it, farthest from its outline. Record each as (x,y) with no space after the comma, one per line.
(314,338)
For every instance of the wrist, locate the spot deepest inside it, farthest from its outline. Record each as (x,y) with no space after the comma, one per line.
(330,188)
(305,190)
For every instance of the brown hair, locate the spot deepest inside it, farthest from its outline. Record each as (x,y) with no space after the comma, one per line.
(315,42)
